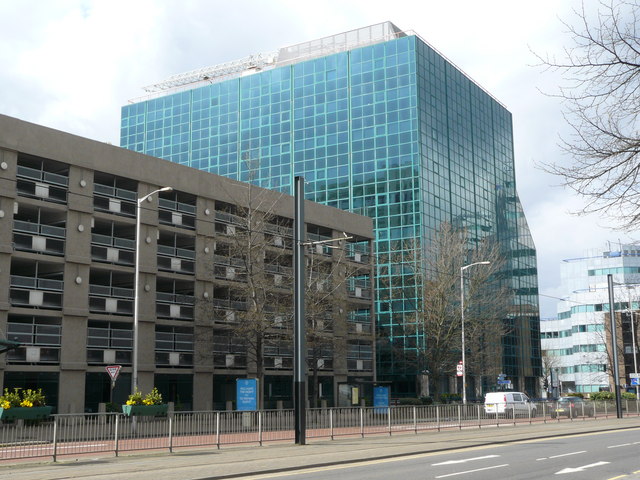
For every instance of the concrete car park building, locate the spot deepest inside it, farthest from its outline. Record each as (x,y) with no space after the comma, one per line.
(378,123)
(68,217)
(576,343)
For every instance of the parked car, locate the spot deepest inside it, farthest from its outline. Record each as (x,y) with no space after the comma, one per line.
(509,404)
(571,407)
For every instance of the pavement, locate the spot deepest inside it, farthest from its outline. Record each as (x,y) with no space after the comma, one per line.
(259,461)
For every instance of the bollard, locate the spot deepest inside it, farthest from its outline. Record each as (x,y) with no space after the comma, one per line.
(171,434)
(115,434)
(331,423)
(218,430)
(55,437)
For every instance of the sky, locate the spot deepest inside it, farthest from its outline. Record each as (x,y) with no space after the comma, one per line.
(72,64)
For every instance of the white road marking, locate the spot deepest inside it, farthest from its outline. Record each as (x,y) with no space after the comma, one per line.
(581,469)
(621,445)
(561,455)
(567,454)
(452,462)
(472,471)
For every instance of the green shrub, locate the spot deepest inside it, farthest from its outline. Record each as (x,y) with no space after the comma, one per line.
(426,400)
(628,396)
(409,401)
(580,395)
(450,397)
(22,398)
(600,396)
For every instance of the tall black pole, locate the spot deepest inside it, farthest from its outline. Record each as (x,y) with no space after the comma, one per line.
(299,365)
(614,346)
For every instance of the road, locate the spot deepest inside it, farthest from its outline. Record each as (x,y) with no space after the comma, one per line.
(597,456)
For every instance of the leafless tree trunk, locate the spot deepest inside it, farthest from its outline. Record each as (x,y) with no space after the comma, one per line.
(326,308)
(253,284)
(253,266)
(608,341)
(549,364)
(602,73)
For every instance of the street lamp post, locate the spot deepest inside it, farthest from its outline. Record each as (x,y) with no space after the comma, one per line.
(299,329)
(464,364)
(136,296)
(633,337)
(614,345)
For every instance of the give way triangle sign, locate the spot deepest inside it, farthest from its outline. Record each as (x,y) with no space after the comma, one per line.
(113,371)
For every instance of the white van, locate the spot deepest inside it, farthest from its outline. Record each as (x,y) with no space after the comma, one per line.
(509,404)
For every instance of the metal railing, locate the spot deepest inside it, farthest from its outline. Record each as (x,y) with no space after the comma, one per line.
(113,433)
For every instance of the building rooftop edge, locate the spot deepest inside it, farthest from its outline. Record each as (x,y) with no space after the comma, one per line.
(286,56)
(38,140)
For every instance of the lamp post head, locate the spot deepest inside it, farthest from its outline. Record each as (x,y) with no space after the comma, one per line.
(166,189)
(463,268)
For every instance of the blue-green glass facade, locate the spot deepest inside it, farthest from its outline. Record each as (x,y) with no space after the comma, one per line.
(392,131)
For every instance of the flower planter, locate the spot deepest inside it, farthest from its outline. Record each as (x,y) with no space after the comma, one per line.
(25,413)
(146,410)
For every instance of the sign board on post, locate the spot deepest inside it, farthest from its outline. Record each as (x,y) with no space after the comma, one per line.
(113,371)
(380,399)
(247,394)
(459,369)
(355,396)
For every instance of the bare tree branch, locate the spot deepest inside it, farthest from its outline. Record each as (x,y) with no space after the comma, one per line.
(601,104)
(432,275)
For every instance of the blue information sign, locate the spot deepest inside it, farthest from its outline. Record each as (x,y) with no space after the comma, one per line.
(381,399)
(247,393)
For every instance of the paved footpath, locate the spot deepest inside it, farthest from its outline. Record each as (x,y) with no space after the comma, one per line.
(246,461)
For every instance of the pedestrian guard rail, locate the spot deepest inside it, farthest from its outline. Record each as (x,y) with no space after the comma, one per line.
(115,433)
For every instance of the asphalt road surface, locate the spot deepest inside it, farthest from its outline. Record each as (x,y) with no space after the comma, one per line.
(597,456)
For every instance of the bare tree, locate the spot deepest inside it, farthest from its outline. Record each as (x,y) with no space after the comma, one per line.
(252,305)
(320,293)
(326,307)
(252,302)
(618,320)
(602,73)
(550,363)
(431,273)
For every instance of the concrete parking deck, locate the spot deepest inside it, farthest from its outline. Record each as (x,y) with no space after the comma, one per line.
(230,462)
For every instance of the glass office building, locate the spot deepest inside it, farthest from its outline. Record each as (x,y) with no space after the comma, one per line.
(378,123)
(576,343)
